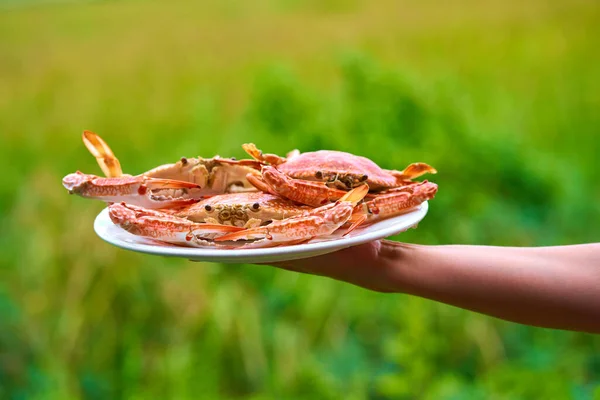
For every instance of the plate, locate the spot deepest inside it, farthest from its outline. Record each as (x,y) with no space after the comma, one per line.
(117,236)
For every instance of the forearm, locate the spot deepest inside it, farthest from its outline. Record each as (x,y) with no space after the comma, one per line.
(554,287)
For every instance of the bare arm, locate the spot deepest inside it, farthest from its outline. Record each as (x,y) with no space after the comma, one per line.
(553,287)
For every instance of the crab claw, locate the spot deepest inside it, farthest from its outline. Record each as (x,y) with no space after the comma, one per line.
(133,189)
(106,159)
(165,227)
(305,192)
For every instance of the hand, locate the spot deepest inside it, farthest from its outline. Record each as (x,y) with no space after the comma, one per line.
(367,265)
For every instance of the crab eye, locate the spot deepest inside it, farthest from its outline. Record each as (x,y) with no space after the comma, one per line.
(319,175)
(364,178)
(255,206)
(184,160)
(208,208)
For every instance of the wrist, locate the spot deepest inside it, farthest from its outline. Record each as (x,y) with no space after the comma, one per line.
(401,265)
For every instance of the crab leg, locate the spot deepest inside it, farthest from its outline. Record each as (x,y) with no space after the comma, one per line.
(166,228)
(319,222)
(138,189)
(260,184)
(305,192)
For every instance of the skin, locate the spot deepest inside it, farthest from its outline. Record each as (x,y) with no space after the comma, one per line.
(551,287)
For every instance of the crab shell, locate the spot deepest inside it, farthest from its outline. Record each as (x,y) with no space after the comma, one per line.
(242,209)
(339,169)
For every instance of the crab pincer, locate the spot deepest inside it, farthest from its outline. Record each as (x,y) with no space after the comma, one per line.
(311,193)
(138,189)
(318,222)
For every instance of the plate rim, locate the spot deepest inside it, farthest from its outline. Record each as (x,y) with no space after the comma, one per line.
(230,255)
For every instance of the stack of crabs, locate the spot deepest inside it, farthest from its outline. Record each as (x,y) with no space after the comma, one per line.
(264,201)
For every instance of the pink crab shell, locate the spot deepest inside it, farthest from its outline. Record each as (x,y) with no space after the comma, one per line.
(330,162)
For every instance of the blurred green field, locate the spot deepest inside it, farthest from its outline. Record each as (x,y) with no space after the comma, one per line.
(502,97)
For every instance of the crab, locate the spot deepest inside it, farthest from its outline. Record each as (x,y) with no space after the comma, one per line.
(317,178)
(324,176)
(319,222)
(284,223)
(377,206)
(339,169)
(264,202)
(169,185)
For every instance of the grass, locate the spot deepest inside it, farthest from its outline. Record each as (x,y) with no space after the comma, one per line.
(500,97)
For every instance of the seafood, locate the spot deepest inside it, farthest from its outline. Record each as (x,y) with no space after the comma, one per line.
(338,169)
(319,222)
(160,186)
(265,201)
(376,206)
(320,177)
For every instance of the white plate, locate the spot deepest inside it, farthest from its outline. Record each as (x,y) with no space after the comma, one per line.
(379,230)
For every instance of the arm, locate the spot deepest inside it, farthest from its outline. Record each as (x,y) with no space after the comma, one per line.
(553,287)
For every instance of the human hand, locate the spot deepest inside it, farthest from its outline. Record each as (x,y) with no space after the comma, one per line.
(373,265)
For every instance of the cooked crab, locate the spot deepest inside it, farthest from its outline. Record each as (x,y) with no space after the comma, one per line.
(320,177)
(160,186)
(318,222)
(317,193)
(198,223)
(339,169)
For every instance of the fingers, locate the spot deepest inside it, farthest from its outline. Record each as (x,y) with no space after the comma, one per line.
(365,265)
(345,264)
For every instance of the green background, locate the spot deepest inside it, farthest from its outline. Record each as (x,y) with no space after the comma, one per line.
(502,97)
